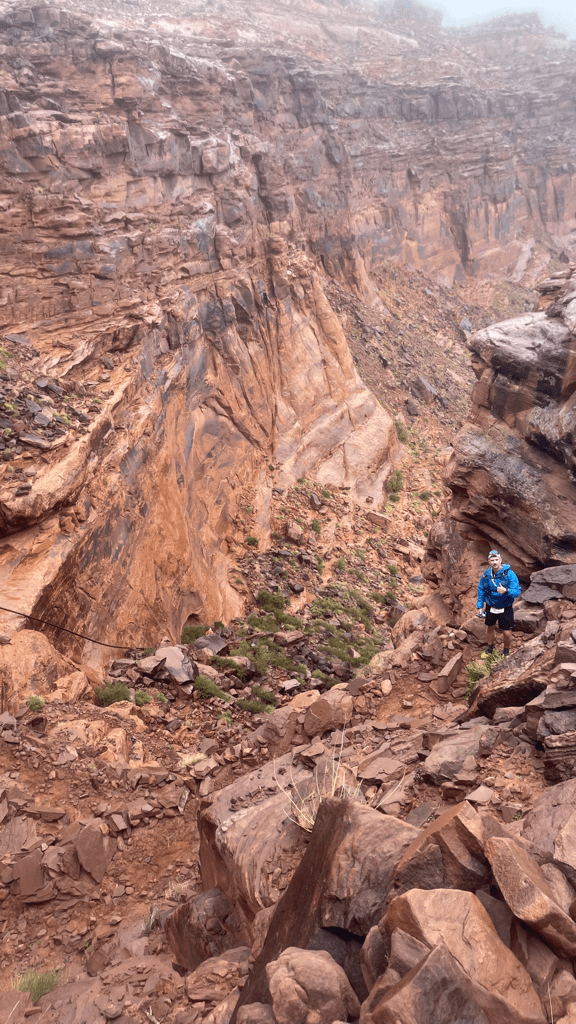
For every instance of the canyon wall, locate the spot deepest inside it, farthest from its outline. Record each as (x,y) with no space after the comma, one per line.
(512,473)
(175,191)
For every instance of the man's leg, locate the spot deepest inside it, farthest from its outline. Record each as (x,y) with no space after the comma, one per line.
(490,630)
(506,638)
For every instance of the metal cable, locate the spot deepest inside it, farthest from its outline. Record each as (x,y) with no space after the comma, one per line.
(118,647)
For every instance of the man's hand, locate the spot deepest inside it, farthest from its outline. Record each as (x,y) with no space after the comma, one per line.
(501,590)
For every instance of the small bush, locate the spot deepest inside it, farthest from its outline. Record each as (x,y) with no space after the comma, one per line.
(147,652)
(112,693)
(394,497)
(255,707)
(474,673)
(252,542)
(340,564)
(218,625)
(192,632)
(315,525)
(326,494)
(266,696)
(424,495)
(378,597)
(270,602)
(395,482)
(38,983)
(393,569)
(220,662)
(141,698)
(35,703)
(160,698)
(207,688)
(401,431)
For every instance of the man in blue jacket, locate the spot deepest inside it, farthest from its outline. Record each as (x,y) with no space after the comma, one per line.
(497,589)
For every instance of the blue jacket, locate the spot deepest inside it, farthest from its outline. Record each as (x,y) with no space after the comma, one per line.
(487,593)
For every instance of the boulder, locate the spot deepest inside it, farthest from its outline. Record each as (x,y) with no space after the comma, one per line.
(331,711)
(206,925)
(215,978)
(529,896)
(551,827)
(257,1013)
(449,854)
(447,756)
(362,868)
(561,575)
(515,681)
(95,850)
(457,920)
(436,991)
(249,844)
(537,593)
(448,673)
(72,687)
(308,987)
(341,879)
(29,664)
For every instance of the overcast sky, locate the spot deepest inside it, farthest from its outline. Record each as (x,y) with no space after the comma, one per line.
(561,13)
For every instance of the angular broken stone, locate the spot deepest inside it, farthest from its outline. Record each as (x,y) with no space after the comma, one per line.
(458,921)
(529,896)
(95,851)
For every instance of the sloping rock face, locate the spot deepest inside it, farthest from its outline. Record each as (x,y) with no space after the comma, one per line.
(513,469)
(175,191)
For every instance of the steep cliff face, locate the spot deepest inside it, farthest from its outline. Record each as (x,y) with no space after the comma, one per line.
(512,471)
(175,192)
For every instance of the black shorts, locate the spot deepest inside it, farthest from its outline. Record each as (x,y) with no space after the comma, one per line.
(505,620)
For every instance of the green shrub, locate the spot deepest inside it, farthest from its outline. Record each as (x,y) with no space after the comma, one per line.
(38,983)
(160,698)
(192,632)
(340,564)
(220,662)
(326,494)
(141,698)
(395,482)
(146,652)
(266,696)
(378,597)
(218,625)
(255,707)
(207,688)
(401,431)
(112,693)
(425,495)
(393,569)
(35,703)
(270,602)
(315,525)
(252,542)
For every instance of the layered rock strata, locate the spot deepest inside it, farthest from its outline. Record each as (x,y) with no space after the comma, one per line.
(512,471)
(174,193)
